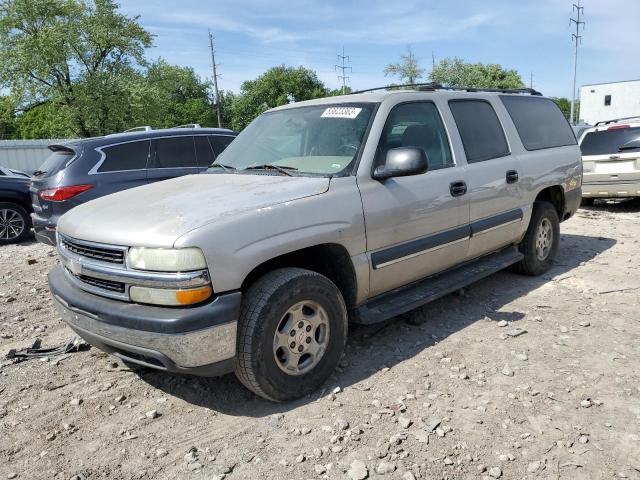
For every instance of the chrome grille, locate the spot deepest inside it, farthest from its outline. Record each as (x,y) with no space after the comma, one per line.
(102,254)
(101,283)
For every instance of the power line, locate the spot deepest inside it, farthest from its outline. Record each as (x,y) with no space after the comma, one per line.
(577,39)
(343,68)
(216,100)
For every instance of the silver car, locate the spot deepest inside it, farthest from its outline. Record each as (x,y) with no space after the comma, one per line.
(346,209)
(611,160)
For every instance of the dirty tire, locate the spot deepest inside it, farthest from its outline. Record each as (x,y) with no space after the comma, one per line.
(545,214)
(264,306)
(17,215)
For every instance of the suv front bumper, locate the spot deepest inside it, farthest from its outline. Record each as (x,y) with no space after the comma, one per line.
(199,340)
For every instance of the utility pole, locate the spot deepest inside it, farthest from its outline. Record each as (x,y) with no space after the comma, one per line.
(343,68)
(577,39)
(216,100)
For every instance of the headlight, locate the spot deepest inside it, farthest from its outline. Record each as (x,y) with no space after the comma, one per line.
(165,296)
(166,259)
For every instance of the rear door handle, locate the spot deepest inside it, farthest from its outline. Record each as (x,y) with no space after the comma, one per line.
(457,188)
(512,176)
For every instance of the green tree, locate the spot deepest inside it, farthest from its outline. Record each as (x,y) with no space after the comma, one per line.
(170,95)
(7,117)
(407,69)
(455,72)
(45,120)
(338,91)
(565,106)
(277,86)
(76,53)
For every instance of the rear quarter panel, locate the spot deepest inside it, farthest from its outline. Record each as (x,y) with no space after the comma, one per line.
(540,169)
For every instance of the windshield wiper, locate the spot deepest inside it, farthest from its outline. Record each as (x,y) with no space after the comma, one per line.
(269,166)
(226,168)
(37,173)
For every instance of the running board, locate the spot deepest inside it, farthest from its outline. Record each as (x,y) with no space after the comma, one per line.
(415,295)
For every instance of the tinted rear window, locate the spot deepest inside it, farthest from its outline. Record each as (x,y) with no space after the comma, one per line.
(607,142)
(54,163)
(126,156)
(480,130)
(175,152)
(539,122)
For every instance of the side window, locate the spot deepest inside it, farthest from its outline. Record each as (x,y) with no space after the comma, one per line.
(539,122)
(416,125)
(220,142)
(175,152)
(204,153)
(480,130)
(126,156)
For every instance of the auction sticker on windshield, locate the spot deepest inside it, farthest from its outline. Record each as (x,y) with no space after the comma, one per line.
(341,112)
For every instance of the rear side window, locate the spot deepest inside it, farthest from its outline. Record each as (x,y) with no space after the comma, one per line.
(539,122)
(175,152)
(613,141)
(204,152)
(220,142)
(126,156)
(54,163)
(417,125)
(480,130)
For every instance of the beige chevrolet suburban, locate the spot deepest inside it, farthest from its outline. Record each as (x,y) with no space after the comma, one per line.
(355,208)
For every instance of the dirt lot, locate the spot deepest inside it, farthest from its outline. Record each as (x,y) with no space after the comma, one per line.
(517,378)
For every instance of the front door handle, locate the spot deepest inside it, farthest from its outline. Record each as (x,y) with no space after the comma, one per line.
(457,188)
(512,176)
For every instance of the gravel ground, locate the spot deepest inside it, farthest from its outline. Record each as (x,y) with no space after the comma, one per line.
(518,377)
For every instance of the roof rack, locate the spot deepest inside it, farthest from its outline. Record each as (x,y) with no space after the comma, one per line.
(616,120)
(432,87)
(188,125)
(143,128)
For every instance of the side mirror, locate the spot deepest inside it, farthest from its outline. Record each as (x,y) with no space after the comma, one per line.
(402,162)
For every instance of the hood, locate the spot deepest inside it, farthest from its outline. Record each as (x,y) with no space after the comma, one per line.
(156,215)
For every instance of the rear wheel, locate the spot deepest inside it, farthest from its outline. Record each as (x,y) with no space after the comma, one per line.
(291,333)
(15,223)
(540,244)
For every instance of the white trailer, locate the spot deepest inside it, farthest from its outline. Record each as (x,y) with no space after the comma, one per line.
(607,101)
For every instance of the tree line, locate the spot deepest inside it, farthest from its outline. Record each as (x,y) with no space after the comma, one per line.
(77,68)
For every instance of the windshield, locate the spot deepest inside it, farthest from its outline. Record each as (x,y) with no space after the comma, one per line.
(609,142)
(322,140)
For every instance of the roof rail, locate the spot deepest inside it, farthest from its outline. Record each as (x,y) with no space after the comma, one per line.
(432,87)
(616,120)
(188,125)
(143,128)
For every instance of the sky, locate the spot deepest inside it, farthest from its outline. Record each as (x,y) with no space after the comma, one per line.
(530,36)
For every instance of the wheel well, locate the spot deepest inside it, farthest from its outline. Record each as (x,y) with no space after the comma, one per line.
(331,260)
(16,202)
(555,196)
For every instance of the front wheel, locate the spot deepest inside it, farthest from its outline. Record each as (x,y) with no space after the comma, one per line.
(291,333)
(540,243)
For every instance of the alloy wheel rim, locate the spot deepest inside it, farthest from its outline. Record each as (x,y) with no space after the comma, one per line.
(301,338)
(544,239)
(11,224)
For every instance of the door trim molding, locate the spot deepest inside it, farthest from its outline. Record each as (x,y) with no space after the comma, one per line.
(423,245)
(496,221)
(414,248)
